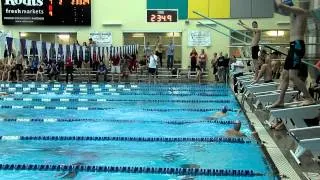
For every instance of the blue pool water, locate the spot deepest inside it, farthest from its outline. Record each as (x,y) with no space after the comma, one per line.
(132,116)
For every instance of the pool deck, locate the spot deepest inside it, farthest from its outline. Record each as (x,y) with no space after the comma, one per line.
(277,145)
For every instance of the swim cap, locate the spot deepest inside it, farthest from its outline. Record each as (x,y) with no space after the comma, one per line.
(224,109)
(288,2)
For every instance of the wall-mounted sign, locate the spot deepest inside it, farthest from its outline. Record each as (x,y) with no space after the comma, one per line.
(102,39)
(199,38)
(46,12)
(162,15)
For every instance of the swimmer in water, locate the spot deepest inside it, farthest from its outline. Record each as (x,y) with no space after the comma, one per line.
(236,130)
(219,114)
(70,174)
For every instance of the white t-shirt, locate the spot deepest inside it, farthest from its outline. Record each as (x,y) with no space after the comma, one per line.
(237,67)
(153,59)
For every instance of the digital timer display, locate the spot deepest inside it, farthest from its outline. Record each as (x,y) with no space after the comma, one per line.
(158,15)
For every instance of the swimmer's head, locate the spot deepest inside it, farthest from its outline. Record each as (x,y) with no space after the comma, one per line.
(237,125)
(224,109)
(255,24)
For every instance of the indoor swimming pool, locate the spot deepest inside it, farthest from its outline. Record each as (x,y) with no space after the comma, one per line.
(125,131)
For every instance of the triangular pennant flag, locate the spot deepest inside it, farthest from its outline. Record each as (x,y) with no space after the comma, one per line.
(78,52)
(96,54)
(101,52)
(9,45)
(23,47)
(48,48)
(56,48)
(84,49)
(28,47)
(64,49)
(17,45)
(91,51)
(71,52)
(39,49)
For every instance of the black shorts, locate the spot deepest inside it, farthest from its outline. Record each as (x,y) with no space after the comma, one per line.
(296,53)
(268,81)
(152,71)
(255,52)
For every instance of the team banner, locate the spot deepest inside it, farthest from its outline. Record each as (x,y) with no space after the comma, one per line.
(46,12)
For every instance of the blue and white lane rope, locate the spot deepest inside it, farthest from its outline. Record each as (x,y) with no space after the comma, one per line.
(111,85)
(56,108)
(32,89)
(100,108)
(110,100)
(114,93)
(134,139)
(173,122)
(130,169)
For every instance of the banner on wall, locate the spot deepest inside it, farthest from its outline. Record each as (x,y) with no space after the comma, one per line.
(46,12)
(102,38)
(199,38)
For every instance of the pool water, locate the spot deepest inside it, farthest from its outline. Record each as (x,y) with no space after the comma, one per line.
(150,116)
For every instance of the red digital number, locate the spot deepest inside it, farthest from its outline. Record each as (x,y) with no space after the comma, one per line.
(153,18)
(169,17)
(158,18)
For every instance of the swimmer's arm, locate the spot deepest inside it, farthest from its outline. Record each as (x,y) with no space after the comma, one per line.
(292,9)
(261,73)
(247,27)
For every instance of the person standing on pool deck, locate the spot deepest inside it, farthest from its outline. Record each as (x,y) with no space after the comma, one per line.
(298,19)
(254,44)
(153,61)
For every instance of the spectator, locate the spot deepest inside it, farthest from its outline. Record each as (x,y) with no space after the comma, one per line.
(170,55)
(193,58)
(153,61)
(115,67)
(203,60)
(34,65)
(102,70)
(214,65)
(40,71)
(159,51)
(237,69)
(125,66)
(53,71)
(221,68)
(12,72)
(6,70)
(265,70)
(19,67)
(133,63)
(226,64)
(69,69)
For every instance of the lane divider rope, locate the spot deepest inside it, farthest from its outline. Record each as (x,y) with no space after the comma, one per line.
(99,108)
(174,122)
(109,100)
(134,139)
(122,93)
(130,169)
(105,89)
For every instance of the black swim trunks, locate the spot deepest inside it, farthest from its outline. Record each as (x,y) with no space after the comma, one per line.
(268,81)
(296,53)
(255,52)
